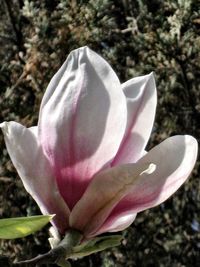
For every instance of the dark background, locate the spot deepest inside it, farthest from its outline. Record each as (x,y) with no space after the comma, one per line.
(135,37)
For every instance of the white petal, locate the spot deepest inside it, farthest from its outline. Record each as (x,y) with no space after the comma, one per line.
(141,103)
(33,168)
(116,223)
(174,159)
(132,188)
(104,192)
(82,121)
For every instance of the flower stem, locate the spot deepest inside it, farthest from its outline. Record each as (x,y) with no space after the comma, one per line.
(58,254)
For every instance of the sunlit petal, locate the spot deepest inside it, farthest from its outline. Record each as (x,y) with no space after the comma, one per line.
(34,170)
(141,104)
(82,121)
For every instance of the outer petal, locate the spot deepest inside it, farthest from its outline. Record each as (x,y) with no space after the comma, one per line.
(116,223)
(82,121)
(174,159)
(141,103)
(103,193)
(34,170)
(130,188)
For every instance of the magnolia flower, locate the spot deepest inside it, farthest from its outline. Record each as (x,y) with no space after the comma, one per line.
(85,161)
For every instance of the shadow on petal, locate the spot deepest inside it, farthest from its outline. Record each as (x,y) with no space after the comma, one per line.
(174,159)
(83,121)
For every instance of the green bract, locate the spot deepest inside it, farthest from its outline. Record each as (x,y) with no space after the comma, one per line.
(95,245)
(20,227)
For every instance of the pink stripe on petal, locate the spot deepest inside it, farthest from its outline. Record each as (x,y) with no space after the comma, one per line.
(116,223)
(35,171)
(131,188)
(105,191)
(82,121)
(174,159)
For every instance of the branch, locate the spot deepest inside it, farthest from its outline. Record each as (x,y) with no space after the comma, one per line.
(15,25)
(56,255)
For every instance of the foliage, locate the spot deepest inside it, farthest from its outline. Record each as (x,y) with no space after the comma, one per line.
(136,37)
(12,228)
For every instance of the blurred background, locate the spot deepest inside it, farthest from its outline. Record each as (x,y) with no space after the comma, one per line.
(135,37)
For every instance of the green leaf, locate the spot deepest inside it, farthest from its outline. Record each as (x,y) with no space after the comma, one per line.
(19,227)
(96,245)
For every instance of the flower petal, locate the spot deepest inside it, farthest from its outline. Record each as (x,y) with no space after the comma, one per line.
(135,187)
(104,192)
(116,223)
(34,170)
(141,104)
(174,159)
(82,121)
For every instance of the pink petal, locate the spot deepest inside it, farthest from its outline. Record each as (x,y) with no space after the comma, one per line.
(82,121)
(116,223)
(132,188)
(174,159)
(104,192)
(34,170)
(141,104)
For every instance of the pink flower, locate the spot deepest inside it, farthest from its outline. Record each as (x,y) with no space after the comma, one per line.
(85,161)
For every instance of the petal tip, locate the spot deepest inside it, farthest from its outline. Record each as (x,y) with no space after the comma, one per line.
(151,74)
(192,142)
(4,127)
(2,124)
(191,139)
(151,77)
(81,49)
